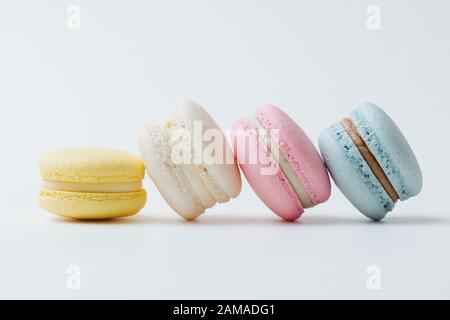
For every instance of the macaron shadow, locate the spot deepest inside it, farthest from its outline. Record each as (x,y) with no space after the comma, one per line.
(233,220)
(149,219)
(397,220)
(113,221)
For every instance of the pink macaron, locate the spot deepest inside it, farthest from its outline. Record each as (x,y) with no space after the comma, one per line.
(280,162)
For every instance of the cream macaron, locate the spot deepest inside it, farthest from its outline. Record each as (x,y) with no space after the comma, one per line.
(92,183)
(189,160)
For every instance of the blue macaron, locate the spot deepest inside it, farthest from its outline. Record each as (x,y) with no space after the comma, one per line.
(371,161)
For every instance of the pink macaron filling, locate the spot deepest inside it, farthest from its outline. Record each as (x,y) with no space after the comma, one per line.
(282,191)
(299,151)
(273,189)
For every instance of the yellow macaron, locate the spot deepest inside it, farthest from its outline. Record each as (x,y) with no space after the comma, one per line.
(92,183)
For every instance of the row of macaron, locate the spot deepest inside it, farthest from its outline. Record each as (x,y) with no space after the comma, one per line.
(365,153)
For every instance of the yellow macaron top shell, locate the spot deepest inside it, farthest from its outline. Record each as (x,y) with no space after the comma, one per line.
(91,165)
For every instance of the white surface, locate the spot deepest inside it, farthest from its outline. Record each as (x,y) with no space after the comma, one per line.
(226,256)
(132,61)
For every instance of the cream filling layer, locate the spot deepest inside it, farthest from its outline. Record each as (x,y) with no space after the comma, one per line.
(198,186)
(93,187)
(283,164)
(189,171)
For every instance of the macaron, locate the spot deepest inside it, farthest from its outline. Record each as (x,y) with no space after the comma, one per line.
(189,160)
(371,161)
(92,183)
(280,162)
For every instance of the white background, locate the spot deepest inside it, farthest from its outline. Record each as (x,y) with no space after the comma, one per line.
(132,61)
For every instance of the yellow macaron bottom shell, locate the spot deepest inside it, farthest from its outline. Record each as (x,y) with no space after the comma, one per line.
(92,206)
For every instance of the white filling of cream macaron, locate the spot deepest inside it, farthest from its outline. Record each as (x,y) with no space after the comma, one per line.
(198,186)
(283,163)
(92,187)
(189,171)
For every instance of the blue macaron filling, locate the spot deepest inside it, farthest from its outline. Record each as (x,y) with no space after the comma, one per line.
(382,155)
(360,165)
